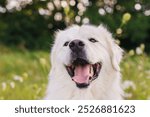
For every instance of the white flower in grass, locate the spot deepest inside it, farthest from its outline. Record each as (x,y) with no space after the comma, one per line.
(64,3)
(147,12)
(137,6)
(81,7)
(101,11)
(57,3)
(127,84)
(58,16)
(139,51)
(85,2)
(85,20)
(41,11)
(119,31)
(78,19)
(18,78)
(4,86)
(50,6)
(12,85)
(72,3)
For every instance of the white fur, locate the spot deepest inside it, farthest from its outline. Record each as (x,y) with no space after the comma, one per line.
(106,86)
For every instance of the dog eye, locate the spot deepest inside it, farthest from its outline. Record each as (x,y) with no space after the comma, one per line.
(66,43)
(93,40)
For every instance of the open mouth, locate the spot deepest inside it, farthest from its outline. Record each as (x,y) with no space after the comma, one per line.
(82,72)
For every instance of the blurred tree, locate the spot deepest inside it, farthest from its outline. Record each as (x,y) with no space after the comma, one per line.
(31,23)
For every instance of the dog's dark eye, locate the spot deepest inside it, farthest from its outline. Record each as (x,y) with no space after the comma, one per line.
(66,43)
(93,40)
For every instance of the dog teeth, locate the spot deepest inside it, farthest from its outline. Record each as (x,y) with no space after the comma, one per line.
(91,69)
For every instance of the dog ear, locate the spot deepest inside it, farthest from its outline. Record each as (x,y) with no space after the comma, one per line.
(114,50)
(116,56)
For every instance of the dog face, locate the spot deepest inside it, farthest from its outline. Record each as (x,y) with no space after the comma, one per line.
(85,54)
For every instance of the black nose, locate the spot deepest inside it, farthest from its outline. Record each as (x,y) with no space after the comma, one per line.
(76,45)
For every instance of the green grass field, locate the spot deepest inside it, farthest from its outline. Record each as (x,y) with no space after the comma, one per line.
(23,74)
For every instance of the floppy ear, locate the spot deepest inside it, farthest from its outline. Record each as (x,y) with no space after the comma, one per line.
(114,50)
(116,56)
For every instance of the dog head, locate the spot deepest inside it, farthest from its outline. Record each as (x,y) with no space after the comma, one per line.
(84,53)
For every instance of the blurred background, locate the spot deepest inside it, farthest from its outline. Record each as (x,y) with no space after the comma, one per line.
(27,31)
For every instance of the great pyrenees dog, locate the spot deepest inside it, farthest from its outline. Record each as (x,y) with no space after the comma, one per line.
(85,65)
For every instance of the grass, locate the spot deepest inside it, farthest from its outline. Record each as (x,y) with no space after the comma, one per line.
(23,74)
(136,76)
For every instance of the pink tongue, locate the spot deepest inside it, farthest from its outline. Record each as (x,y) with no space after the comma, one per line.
(82,74)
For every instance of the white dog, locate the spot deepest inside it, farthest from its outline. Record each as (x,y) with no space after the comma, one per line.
(85,65)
